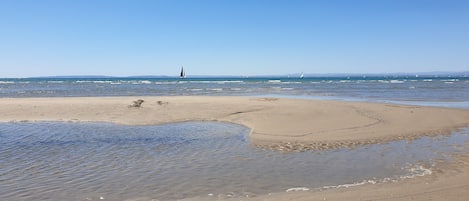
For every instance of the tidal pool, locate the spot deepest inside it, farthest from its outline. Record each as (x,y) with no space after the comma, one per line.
(103,161)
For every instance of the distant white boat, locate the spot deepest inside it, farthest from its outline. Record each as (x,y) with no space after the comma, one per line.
(183,73)
(302,75)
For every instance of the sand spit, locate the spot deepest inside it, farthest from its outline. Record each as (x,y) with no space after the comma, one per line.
(280,124)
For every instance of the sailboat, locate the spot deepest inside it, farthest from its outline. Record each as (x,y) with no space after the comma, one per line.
(302,75)
(183,74)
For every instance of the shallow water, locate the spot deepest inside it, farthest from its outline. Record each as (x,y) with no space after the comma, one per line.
(90,161)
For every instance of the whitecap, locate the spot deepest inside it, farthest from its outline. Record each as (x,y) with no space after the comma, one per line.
(145,82)
(101,82)
(396,81)
(450,80)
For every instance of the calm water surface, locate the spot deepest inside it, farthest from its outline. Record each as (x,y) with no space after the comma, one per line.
(94,161)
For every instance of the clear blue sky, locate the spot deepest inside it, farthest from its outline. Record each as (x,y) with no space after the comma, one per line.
(223,37)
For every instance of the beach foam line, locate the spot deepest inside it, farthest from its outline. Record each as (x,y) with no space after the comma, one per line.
(415,171)
(297,189)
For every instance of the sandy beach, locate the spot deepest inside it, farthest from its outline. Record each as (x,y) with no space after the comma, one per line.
(282,124)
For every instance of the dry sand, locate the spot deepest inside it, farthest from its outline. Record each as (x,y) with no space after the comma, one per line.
(284,124)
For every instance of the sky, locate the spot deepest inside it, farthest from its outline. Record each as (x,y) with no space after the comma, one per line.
(231,37)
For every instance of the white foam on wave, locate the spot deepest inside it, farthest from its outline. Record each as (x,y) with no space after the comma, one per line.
(102,82)
(391,81)
(450,80)
(350,185)
(274,81)
(414,171)
(396,81)
(7,82)
(297,189)
(417,171)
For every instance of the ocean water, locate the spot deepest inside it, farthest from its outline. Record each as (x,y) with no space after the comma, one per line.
(432,90)
(101,161)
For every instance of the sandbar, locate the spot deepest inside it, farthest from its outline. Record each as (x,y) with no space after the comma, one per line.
(289,124)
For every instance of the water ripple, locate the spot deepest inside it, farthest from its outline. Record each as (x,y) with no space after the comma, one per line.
(80,161)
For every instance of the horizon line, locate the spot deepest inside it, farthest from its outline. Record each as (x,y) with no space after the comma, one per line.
(431,73)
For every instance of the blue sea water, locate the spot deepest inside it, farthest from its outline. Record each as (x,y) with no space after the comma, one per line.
(450,91)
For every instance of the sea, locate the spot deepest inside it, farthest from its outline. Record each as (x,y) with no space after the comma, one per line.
(210,160)
(441,90)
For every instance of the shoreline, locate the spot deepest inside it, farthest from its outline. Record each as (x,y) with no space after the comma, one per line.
(448,181)
(286,125)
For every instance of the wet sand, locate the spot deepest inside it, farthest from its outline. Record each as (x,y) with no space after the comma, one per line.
(282,124)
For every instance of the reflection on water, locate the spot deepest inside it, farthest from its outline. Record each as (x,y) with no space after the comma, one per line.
(93,161)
